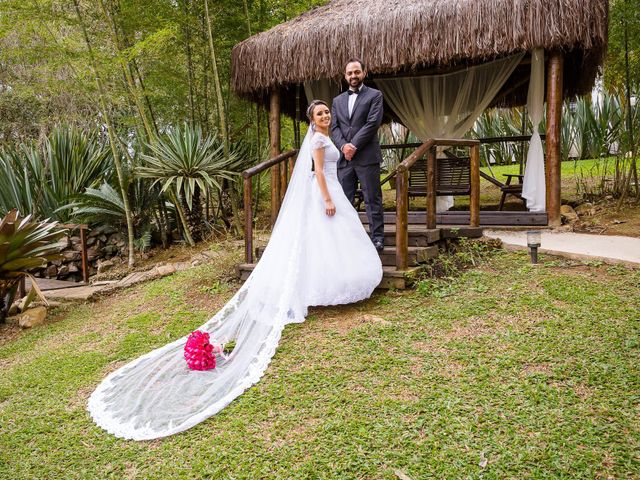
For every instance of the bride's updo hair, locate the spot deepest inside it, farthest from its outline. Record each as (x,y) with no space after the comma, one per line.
(312,107)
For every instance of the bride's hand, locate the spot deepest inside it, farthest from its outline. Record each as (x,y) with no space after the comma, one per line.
(330,208)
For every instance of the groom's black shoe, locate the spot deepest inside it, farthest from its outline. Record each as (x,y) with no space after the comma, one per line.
(379,245)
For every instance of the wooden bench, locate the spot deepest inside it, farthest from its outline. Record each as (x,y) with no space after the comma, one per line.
(453,177)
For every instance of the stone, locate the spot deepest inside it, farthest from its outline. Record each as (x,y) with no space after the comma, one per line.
(195,263)
(584,208)
(103,238)
(32,317)
(12,320)
(71,255)
(104,265)
(568,213)
(13,309)
(164,270)
(51,271)
(63,270)
(133,278)
(73,268)
(63,243)
(91,241)
(92,253)
(211,254)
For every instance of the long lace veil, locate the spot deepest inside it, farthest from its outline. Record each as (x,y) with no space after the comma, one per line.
(157,395)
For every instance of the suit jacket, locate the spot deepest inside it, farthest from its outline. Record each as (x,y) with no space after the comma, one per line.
(361,129)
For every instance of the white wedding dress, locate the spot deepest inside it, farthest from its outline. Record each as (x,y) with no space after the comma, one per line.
(311,259)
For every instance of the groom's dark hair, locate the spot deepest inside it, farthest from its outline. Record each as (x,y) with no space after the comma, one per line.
(351,60)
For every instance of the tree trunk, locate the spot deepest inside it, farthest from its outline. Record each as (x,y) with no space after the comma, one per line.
(194,215)
(222,118)
(127,71)
(187,46)
(183,219)
(112,137)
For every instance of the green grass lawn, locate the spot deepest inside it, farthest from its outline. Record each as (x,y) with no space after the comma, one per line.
(568,168)
(505,371)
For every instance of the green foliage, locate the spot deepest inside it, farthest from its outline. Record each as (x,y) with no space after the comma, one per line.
(624,20)
(24,245)
(41,180)
(501,123)
(462,253)
(184,158)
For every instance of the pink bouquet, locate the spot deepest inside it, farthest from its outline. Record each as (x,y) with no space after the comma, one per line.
(199,352)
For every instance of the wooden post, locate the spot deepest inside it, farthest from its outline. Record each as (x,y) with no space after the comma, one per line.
(431,188)
(274,130)
(402,219)
(284,170)
(248,222)
(554,136)
(474,201)
(85,257)
(22,287)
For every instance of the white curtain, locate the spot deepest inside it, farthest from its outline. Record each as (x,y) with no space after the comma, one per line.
(323,89)
(446,106)
(534,188)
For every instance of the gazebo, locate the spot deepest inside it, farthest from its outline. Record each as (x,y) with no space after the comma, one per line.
(475,54)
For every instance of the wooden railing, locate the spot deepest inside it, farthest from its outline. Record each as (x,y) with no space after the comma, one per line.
(248,194)
(402,191)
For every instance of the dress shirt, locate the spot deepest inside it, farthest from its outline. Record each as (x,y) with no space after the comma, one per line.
(352,99)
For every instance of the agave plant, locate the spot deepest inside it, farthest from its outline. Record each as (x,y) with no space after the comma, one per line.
(186,163)
(40,181)
(24,245)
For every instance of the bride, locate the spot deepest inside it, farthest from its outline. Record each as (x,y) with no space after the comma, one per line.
(318,254)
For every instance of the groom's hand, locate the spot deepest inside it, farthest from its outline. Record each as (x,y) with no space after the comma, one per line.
(349,150)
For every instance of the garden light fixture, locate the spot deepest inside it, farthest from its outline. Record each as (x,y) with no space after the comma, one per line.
(534,239)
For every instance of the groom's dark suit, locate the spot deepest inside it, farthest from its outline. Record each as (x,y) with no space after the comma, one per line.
(361,130)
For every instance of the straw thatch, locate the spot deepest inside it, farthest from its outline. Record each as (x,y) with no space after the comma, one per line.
(393,36)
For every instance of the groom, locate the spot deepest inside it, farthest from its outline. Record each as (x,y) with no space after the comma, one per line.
(355,117)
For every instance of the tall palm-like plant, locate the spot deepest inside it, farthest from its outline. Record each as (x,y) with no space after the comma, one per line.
(40,181)
(186,163)
(24,245)
(76,160)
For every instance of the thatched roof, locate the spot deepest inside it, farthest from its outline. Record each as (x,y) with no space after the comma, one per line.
(393,36)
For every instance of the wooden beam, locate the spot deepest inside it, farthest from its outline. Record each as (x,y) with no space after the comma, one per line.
(85,256)
(248,221)
(402,213)
(474,201)
(431,187)
(274,133)
(554,136)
